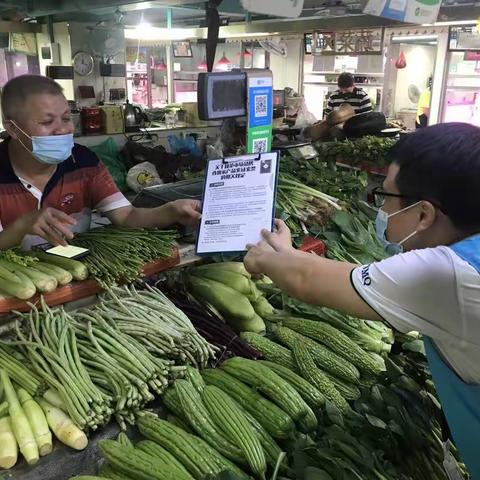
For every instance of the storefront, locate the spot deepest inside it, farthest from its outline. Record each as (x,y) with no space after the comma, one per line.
(461,101)
(327,54)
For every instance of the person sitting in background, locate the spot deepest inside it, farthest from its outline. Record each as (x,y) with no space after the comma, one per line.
(423,109)
(49,185)
(348,93)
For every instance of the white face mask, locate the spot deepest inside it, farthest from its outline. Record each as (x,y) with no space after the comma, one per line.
(50,149)
(381,224)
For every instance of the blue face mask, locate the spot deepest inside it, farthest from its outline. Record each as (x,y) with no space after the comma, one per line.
(50,149)
(381,224)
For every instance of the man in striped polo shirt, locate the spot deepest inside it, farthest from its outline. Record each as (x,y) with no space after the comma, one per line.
(348,93)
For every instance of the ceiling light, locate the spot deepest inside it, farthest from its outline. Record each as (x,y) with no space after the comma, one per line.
(203,66)
(452,23)
(244,35)
(223,64)
(145,31)
(411,38)
(246,54)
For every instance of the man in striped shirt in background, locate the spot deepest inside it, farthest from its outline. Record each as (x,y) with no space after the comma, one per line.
(348,93)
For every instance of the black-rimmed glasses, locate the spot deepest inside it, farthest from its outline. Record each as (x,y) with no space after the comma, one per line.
(379,196)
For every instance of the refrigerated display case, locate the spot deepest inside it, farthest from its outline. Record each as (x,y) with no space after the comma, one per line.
(147,78)
(461,101)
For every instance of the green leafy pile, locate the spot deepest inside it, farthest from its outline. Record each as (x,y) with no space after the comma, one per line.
(369,149)
(344,184)
(351,238)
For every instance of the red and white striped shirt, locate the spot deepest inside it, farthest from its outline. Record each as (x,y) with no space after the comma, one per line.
(79,185)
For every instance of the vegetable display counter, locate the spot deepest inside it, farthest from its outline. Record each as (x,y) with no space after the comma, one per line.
(78,290)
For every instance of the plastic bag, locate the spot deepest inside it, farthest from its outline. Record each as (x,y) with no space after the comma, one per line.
(187,145)
(108,153)
(215,151)
(143,175)
(305,118)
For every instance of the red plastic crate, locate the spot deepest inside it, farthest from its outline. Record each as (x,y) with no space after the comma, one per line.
(313,245)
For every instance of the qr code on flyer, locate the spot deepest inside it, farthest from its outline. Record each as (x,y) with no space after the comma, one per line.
(260,145)
(261,106)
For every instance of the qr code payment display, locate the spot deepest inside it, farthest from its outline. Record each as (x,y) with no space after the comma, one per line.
(260,145)
(261,109)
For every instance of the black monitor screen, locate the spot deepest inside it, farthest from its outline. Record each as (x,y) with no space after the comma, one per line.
(228,95)
(222,95)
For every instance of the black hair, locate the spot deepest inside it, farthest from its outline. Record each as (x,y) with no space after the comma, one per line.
(441,164)
(346,80)
(17,90)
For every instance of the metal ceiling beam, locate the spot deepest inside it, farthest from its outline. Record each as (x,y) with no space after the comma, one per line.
(460,12)
(50,7)
(309,24)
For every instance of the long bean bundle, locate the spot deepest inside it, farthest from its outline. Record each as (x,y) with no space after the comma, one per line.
(22,373)
(49,341)
(151,318)
(117,254)
(214,329)
(109,359)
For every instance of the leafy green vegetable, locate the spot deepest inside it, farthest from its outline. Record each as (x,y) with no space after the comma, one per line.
(369,149)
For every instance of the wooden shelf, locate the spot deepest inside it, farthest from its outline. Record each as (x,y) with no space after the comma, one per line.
(78,290)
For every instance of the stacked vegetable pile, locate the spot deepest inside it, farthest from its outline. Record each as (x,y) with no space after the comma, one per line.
(106,360)
(227,287)
(301,206)
(324,355)
(25,424)
(373,403)
(24,274)
(219,423)
(211,326)
(368,149)
(351,237)
(343,184)
(395,432)
(118,254)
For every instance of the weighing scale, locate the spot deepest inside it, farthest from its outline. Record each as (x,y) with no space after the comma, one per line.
(298,151)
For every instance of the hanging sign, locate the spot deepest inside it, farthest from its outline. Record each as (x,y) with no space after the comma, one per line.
(359,42)
(276,8)
(409,11)
(464,38)
(23,43)
(348,42)
(260,111)
(238,202)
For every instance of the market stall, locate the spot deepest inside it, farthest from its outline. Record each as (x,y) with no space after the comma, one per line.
(192,349)
(145,360)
